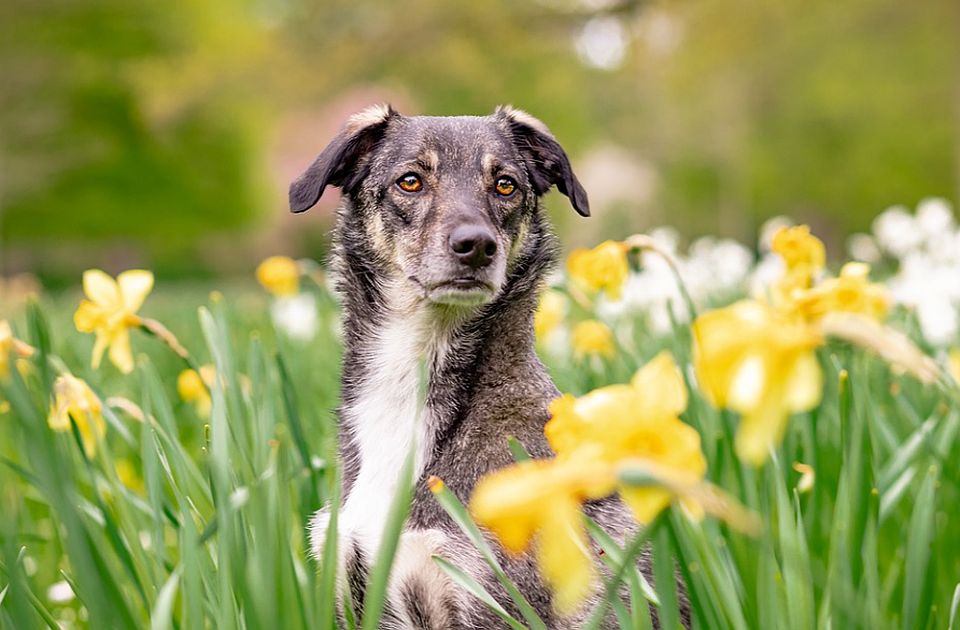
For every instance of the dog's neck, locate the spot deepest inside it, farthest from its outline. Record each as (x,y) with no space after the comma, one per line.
(410,367)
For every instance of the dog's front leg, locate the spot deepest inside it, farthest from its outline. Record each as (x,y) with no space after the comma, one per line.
(419,594)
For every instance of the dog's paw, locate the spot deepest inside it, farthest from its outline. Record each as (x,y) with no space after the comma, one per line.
(421,592)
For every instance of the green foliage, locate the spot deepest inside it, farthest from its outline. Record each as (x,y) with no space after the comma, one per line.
(215,537)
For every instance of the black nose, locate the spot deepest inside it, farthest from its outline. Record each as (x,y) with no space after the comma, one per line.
(473,245)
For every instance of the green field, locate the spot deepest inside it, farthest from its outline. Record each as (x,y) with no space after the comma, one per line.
(181,521)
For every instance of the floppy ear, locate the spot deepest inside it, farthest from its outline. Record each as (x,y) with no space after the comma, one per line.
(547,162)
(336,164)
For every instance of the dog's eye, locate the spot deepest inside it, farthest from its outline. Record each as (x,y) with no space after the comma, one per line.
(505,186)
(410,183)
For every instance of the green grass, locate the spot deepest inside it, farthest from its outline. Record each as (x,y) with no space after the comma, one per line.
(216,538)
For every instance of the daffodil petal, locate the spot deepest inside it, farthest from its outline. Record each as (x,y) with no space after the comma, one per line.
(100,288)
(761,428)
(804,386)
(99,347)
(645,502)
(661,386)
(134,285)
(89,433)
(120,353)
(564,555)
(58,420)
(87,317)
(507,503)
(748,384)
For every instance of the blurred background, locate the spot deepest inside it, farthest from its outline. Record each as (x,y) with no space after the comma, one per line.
(136,133)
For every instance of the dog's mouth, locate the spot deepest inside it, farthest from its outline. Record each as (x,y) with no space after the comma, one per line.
(464,284)
(459,291)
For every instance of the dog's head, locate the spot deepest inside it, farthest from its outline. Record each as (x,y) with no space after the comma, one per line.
(446,202)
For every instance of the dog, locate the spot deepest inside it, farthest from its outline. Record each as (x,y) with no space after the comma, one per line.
(439,254)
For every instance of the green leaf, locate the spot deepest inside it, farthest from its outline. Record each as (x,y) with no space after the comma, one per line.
(918,577)
(665,578)
(161,618)
(473,587)
(954,608)
(517,449)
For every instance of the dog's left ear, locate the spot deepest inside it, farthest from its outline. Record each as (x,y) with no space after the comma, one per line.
(337,164)
(547,162)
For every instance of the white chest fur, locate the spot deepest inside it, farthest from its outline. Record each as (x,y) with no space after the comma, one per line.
(387,420)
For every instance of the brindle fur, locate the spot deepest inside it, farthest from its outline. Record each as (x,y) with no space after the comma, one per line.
(487,383)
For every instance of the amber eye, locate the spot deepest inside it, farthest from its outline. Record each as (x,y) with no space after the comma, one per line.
(410,183)
(505,186)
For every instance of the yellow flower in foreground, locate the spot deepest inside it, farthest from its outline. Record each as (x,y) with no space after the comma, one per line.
(624,438)
(280,275)
(592,337)
(73,398)
(603,268)
(195,388)
(636,421)
(542,498)
(851,292)
(550,313)
(10,345)
(755,360)
(110,310)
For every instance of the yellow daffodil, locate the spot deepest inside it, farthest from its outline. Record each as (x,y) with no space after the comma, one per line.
(541,499)
(73,398)
(603,268)
(592,337)
(625,438)
(280,275)
(804,257)
(110,310)
(851,292)
(596,437)
(801,251)
(10,345)
(550,313)
(636,421)
(755,360)
(195,388)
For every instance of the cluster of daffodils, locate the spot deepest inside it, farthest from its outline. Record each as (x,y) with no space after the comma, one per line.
(756,357)
(595,438)
(922,251)
(109,311)
(601,283)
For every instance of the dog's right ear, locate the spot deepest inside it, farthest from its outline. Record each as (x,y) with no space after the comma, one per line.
(336,164)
